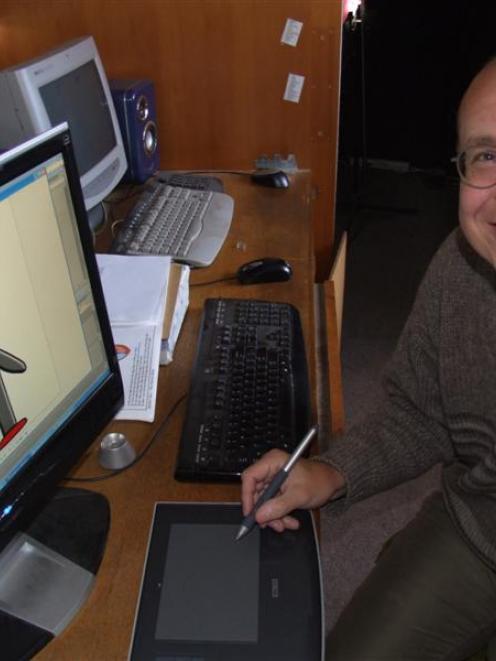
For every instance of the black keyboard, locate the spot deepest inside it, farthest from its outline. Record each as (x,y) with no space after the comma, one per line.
(249,389)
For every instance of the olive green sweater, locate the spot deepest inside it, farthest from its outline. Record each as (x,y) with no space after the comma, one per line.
(439,399)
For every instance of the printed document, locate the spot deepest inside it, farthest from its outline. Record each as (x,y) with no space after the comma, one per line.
(135,289)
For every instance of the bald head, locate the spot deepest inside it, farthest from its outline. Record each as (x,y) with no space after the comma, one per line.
(477,133)
(478,104)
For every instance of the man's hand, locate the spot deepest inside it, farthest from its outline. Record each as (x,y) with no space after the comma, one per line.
(309,485)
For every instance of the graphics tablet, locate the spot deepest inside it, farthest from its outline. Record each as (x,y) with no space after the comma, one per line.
(207,597)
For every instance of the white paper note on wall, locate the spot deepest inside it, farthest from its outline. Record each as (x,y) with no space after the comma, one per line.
(291,32)
(294,87)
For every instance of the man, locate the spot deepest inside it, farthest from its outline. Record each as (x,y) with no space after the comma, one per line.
(432,592)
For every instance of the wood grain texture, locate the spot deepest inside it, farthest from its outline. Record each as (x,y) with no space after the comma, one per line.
(219,71)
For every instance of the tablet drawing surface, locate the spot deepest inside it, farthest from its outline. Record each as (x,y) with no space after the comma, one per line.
(210,587)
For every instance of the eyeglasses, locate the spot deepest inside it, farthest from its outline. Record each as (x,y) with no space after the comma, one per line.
(477,166)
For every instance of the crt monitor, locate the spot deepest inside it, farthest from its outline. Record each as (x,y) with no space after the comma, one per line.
(59,386)
(67,85)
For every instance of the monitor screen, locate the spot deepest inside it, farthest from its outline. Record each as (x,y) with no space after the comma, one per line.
(67,84)
(88,115)
(52,356)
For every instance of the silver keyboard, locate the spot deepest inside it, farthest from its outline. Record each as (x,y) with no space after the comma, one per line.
(189,225)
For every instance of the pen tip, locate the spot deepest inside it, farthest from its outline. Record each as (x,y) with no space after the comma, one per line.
(241,533)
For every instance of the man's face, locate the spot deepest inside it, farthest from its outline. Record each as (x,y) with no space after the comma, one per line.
(477,127)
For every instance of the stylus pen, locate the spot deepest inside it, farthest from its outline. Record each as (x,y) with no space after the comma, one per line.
(249,521)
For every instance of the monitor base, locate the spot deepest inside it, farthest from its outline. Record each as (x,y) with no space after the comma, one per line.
(47,571)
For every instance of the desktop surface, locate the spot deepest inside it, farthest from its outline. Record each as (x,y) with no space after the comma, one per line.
(264,219)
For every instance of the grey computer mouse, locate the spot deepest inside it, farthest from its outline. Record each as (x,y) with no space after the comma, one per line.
(272,178)
(268,269)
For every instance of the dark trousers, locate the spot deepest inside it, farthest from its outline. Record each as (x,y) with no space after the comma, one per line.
(428,598)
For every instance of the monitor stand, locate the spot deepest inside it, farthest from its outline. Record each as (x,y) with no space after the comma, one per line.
(96,217)
(47,570)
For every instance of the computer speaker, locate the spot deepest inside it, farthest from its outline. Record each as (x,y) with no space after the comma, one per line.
(134,102)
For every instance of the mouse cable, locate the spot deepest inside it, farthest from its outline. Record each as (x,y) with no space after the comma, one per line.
(212,282)
(118,471)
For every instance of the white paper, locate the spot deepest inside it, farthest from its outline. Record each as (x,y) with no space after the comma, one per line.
(180,308)
(294,87)
(135,289)
(139,369)
(291,32)
(133,286)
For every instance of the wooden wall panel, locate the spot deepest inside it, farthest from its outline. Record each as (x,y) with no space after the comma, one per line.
(219,70)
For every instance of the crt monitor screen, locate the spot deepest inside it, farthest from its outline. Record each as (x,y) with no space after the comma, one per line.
(88,116)
(59,378)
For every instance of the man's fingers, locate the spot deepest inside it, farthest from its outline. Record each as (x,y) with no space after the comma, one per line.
(257,477)
(278,507)
(286,523)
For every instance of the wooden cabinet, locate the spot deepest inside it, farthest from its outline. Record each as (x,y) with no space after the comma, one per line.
(220,72)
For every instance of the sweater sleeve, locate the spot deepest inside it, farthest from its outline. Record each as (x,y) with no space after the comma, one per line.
(404,434)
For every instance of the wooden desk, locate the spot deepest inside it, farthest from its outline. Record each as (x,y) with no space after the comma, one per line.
(267,222)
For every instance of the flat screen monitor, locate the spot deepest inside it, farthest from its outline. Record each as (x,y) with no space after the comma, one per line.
(59,382)
(67,85)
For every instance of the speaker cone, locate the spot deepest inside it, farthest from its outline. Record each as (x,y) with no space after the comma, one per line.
(150,138)
(142,108)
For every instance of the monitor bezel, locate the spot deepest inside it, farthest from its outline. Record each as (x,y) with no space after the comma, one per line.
(32,486)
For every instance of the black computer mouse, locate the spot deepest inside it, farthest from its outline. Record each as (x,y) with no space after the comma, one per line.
(272,178)
(268,269)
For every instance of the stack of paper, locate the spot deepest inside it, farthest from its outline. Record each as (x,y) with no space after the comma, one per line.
(175,309)
(135,290)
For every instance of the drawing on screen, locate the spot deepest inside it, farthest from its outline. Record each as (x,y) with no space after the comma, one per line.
(9,425)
